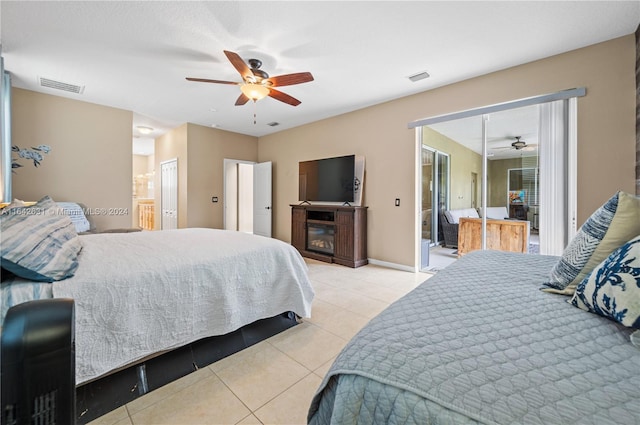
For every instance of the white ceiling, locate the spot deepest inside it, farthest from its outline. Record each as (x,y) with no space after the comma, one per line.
(502,129)
(136,55)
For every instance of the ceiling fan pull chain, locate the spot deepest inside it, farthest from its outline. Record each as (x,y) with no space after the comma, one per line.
(254,111)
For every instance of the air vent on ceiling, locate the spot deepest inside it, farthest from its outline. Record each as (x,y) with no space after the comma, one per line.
(419,76)
(273,124)
(59,85)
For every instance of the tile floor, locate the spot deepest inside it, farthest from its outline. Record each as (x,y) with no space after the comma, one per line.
(273,381)
(440,257)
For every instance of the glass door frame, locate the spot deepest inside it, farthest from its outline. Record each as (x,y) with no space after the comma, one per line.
(435,190)
(570,96)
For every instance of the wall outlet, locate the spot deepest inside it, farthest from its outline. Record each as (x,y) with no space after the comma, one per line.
(214,199)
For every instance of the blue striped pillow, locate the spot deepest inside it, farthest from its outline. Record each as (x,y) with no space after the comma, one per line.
(76,214)
(608,228)
(38,243)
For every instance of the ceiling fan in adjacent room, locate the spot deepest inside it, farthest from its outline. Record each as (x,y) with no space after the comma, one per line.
(257,84)
(519,145)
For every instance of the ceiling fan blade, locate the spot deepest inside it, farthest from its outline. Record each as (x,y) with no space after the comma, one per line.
(283,97)
(240,65)
(204,80)
(290,79)
(242,99)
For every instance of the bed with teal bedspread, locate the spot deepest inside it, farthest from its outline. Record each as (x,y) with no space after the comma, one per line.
(480,343)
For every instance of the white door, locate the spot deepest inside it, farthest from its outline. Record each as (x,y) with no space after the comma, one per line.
(169,194)
(262,211)
(245,198)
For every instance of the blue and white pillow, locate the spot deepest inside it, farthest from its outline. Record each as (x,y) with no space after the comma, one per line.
(608,228)
(38,243)
(76,214)
(612,289)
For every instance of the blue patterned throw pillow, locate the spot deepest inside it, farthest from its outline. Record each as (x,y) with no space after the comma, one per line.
(612,289)
(608,228)
(38,243)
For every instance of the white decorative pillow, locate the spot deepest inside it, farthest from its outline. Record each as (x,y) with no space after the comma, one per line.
(454,216)
(38,243)
(612,289)
(496,213)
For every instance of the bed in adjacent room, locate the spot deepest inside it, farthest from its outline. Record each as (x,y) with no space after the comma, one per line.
(141,294)
(482,343)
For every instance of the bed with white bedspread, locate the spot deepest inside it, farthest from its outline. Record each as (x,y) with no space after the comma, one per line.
(138,294)
(160,290)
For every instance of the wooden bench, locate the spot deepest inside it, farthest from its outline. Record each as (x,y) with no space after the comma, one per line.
(502,235)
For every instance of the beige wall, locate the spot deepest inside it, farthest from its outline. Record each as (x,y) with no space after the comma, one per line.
(172,145)
(462,162)
(208,147)
(201,152)
(90,160)
(498,172)
(606,136)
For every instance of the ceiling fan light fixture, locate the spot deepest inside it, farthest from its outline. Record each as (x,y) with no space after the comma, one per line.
(518,144)
(254,92)
(144,130)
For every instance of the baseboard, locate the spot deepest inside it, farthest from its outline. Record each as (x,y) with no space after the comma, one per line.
(389,265)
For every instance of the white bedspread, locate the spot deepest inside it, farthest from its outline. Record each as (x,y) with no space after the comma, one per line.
(141,293)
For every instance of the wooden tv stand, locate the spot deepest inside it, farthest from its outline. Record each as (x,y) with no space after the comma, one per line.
(331,233)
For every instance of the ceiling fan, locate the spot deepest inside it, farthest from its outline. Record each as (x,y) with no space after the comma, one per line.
(519,145)
(257,84)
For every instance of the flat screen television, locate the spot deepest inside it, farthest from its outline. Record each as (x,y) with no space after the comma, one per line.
(327,179)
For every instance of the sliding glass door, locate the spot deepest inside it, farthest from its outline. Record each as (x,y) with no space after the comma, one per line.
(435,193)
(521,160)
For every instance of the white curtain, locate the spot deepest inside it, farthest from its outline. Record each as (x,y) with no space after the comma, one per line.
(556,191)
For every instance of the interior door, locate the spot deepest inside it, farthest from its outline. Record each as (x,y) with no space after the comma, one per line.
(169,194)
(262,212)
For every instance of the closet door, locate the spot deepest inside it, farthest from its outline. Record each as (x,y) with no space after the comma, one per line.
(169,194)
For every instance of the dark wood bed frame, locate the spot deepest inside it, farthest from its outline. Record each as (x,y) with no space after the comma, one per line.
(96,398)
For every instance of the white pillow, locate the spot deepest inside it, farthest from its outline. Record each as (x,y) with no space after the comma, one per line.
(455,215)
(497,213)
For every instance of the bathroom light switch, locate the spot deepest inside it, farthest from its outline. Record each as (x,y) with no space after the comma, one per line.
(397,202)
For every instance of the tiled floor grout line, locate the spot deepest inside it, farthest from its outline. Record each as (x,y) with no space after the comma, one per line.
(236,396)
(279,394)
(355,312)
(126,407)
(286,354)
